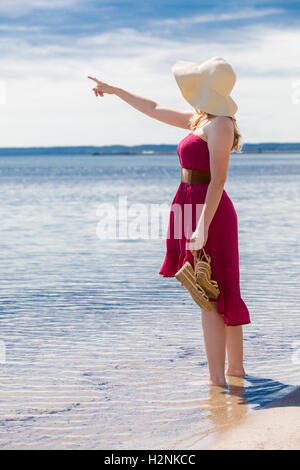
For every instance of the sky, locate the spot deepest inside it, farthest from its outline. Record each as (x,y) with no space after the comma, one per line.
(48,47)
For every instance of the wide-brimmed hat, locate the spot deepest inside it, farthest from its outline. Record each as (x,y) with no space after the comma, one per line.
(208,85)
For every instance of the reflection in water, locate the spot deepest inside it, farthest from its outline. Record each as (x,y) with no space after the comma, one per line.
(226,406)
(219,411)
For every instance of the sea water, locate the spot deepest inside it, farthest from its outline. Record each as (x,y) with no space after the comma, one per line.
(97,350)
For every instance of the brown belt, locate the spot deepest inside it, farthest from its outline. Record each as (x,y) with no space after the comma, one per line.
(194,176)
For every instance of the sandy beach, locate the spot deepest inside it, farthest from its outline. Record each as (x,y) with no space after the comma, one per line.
(276,427)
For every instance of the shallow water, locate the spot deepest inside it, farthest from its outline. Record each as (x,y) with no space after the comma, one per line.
(103,352)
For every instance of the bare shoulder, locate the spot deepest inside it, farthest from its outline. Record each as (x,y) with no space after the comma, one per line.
(222,124)
(221,132)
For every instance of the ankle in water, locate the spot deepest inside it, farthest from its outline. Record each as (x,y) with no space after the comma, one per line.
(236,372)
(219,381)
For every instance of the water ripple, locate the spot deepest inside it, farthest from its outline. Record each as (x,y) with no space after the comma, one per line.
(101,351)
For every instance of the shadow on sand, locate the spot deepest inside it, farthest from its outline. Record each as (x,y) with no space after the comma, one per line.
(263,392)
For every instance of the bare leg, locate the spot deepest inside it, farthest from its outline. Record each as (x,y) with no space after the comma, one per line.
(234,346)
(215,341)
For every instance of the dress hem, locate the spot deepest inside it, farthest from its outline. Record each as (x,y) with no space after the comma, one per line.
(219,301)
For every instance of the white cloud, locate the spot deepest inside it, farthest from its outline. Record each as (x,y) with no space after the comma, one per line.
(9,28)
(217,17)
(19,7)
(49,99)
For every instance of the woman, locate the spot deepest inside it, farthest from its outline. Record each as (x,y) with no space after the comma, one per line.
(213,134)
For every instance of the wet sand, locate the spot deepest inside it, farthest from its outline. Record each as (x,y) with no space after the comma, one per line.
(276,427)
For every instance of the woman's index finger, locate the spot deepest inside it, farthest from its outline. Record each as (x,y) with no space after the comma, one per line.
(95,79)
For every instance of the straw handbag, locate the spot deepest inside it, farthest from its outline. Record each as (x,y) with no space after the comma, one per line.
(198,281)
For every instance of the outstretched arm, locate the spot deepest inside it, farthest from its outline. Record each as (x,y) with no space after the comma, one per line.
(155,110)
(144,105)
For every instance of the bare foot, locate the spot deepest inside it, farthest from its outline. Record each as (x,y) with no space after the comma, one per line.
(236,372)
(217,382)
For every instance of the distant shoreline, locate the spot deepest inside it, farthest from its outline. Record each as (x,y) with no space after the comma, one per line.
(146,149)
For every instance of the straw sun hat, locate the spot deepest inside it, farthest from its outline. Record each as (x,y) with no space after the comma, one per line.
(207,86)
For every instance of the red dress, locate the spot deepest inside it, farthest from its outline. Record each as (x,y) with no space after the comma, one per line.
(222,241)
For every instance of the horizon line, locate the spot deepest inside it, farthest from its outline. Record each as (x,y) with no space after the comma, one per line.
(134,145)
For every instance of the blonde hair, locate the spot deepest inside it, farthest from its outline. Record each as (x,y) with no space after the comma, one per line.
(202,116)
